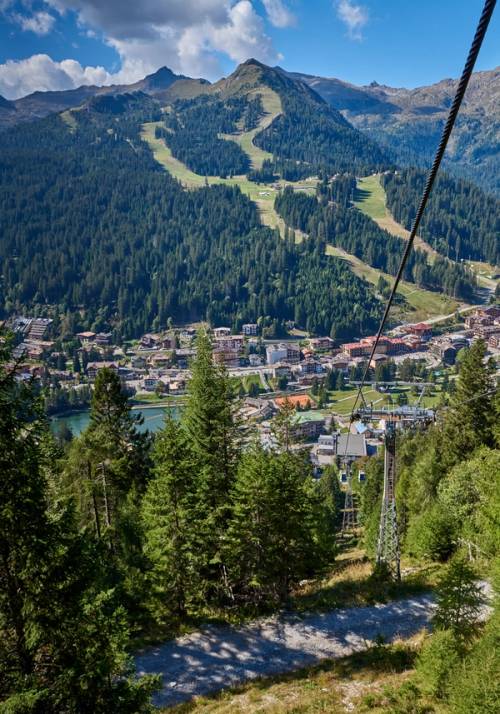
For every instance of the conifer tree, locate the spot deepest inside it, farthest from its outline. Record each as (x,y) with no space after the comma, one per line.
(271,541)
(210,425)
(63,638)
(459,599)
(468,424)
(106,473)
(168,522)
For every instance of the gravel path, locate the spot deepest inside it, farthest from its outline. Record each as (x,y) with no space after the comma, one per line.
(219,657)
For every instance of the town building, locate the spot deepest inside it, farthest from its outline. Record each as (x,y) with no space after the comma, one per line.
(321,343)
(281,370)
(221,332)
(103,338)
(275,354)
(150,384)
(331,448)
(446,351)
(138,362)
(254,360)
(94,367)
(86,338)
(386,345)
(292,353)
(421,330)
(308,425)
(250,329)
(160,359)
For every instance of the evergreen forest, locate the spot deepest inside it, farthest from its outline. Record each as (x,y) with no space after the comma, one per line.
(330,218)
(460,221)
(93,226)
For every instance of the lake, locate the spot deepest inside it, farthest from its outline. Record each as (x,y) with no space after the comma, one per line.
(77,422)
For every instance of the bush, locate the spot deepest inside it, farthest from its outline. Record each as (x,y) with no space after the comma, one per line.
(440,655)
(476,688)
(433,534)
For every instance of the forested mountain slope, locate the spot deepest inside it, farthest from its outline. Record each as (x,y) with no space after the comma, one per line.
(459,221)
(330,217)
(305,137)
(410,121)
(90,221)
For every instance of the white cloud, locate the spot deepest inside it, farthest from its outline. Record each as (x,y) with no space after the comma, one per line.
(186,35)
(355,17)
(279,15)
(40,72)
(41,23)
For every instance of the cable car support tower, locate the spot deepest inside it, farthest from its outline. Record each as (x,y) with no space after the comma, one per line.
(388,551)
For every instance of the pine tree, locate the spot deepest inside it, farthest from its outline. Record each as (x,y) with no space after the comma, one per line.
(459,599)
(272,538)
(468,424)
(168,522)
(283,425)
(212,431)
(106,472)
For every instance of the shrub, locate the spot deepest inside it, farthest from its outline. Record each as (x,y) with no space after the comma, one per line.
(440,655)
(476,688)
(433,534)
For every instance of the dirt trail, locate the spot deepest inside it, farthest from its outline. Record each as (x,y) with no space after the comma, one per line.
(220,657)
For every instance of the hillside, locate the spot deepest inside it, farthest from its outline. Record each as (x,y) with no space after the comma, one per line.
(305,136)
(97,180)
(407,121)
(410,121)
(90,220)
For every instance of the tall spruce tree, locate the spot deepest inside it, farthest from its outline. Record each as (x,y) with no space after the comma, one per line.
(272,535)
(469,422)
(106,472)
(209,421)
(168,518)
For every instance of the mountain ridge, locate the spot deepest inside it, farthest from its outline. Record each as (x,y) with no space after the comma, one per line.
(38,105)
(410,121)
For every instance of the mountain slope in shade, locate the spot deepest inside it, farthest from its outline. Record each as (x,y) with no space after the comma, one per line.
(5,104)
(410,121)
(161,84)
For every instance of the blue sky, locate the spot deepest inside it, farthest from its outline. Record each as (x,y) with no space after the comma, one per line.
(59,44)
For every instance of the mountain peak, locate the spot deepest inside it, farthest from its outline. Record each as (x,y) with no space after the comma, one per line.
(252,61)
(161,79)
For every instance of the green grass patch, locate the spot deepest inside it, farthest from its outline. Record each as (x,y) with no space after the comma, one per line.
(352,583)
(371,200)
(69,119)
(370,197)
(421,304)
(272,108)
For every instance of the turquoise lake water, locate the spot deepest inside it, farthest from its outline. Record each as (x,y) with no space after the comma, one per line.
(153,419)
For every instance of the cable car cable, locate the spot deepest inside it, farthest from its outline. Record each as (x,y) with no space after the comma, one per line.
(482,26)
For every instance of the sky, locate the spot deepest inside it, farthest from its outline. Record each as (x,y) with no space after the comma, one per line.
(62,44)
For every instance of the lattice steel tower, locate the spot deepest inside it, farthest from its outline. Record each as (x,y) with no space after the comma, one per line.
(388,537)
(349,518)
